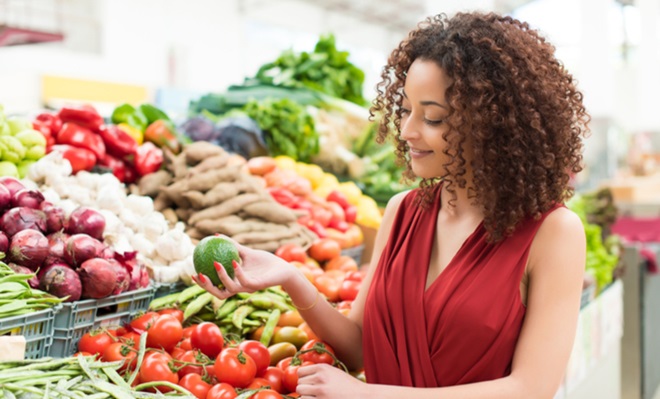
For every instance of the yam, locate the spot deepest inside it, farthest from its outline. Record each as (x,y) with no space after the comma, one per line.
(215,162)
(221,193)
(205,181)
(198,151)
(255,237)
(175,193)
(162,201)
(170,216)
(133,189)
(255,184)
(195,234)
(184,213)
(271,211)
(152,183)
(169,160)
(209,226)
(229,207)
(179,166)
(195,198)
(270,246)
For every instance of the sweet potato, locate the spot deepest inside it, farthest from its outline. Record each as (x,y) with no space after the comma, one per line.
(170,216)
(179,166)
(270,246)
(215,162)
(195,198)
(162,201)
(270,211)
(184,213)
(175,193)
(205,181)
(198,151)
(208,226)
(254,237)
(222,192)
(195,234)
(152,183)
(229,207)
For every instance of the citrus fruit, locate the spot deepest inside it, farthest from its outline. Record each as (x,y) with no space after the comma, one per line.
(216,249)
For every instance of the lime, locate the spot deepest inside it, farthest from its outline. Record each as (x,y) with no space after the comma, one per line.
(215,249)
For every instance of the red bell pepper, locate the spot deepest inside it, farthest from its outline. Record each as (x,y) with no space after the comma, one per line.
(82,137)
(41,127)
(116,166)
(53,122)
(80,158)
(117,142)
(85,116)
(147,159)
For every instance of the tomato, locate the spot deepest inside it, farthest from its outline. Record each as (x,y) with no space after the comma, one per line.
(187,332)
(142,323)
(195,384)
(329,284)
(338,197)
(290,377)
(95,342)
(132,339)
(351,213)
(274,377)
(165,333)
(156,369)
(284,363)
(158,355)
(82,354)
(293,395)
(259,383)
(221,391)
(207,337)
(189,357)
(177,313)
(321,215)
(291,318)
(185,344)
(343,263)
(121,331)
(308,330)
(258,352)
(349,290)
(235,367)
(317,356)
(267,394)
(291,252)
(325,249)
(309,271)
(354,276)
(118,351)
(293,335)
(281,351)
(261,166)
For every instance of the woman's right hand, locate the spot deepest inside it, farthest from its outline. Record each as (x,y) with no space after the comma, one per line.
(258,270)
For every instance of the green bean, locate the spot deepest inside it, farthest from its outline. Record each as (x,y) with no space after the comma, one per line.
(269,328)
(259,314)
(164,301)
(240,314)
(228,307)
(197,304)
(189,293)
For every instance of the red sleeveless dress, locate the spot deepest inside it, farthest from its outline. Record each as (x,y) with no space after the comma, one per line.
(465,326)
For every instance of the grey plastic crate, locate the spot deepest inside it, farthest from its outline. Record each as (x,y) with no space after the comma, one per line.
(77,318)
(355,253)
(163,289)
(37,328)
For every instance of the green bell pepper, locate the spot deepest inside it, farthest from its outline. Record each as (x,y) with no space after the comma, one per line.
(30,138)
(8,169)
(12,149)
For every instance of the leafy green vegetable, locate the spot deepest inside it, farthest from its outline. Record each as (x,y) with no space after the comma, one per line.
(326,69)
(152,113)
(288,126)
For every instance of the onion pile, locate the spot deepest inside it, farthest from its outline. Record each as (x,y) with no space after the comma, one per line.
(67,254)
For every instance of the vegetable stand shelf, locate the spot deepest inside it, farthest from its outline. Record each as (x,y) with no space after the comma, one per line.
(37,328)
(77,318)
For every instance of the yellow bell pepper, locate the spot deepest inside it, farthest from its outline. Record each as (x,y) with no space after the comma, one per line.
(137,134)
(368,213)
(351,191)
(285,163)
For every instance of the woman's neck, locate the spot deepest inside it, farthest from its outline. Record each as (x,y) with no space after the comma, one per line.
(462,206)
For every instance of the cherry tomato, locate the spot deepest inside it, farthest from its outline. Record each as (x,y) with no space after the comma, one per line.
(165,333)
(274,377)
(207,337)
(259,383)
(284,363)
(221,391)
(325,249)
(177,352)
(267,394)
(158,355)
(142,323)
(290,377)
(258,352)
(121,331)
(235,367)
(118,351)
(349,289)
(155,369)
(188,331)
(291,252)
(185,344)
(317,357)
(195,384)
(329,284)
(95,342)
(177,313)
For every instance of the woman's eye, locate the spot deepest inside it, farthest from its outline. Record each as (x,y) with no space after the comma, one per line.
(405,111)
(433,122)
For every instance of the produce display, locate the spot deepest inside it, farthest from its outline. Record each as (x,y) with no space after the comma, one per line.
(20,145)
(133,227)
(18,295)
(212,192)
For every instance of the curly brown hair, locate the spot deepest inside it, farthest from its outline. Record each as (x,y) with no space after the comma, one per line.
(510,99)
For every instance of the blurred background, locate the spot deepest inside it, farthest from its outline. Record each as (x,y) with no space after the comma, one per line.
(171,52)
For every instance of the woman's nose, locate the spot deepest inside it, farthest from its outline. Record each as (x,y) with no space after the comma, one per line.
(408,130)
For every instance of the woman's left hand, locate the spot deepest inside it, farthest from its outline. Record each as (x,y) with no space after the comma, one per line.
(322,381)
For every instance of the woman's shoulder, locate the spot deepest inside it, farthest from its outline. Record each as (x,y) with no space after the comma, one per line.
(561,230)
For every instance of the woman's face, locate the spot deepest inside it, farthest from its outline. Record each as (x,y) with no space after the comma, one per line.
(424,109)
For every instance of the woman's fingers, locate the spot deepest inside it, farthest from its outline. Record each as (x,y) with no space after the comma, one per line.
(240,275)
(228,282)
(305,371)
(205,282)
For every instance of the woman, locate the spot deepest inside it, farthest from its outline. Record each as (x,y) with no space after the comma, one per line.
(474,286)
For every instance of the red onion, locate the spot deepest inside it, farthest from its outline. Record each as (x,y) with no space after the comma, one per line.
(87,221)
(33,281)
(55,217)
(56,245)
(123,278)
(12,184)
(5,197)
(27,198)
(108,253)
(4,242)
(98,278)
(17,219)
(81,247)
(28,248)
(61,281)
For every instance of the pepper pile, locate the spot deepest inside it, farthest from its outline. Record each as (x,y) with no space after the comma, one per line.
(84,139)
(20,145)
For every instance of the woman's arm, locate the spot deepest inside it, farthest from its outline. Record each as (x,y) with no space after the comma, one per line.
(556,267)
(344,334)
